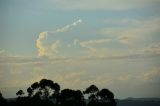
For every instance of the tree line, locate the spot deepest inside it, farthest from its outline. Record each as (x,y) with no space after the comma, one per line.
(48,93)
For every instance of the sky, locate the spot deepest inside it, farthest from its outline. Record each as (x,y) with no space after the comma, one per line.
(113,44)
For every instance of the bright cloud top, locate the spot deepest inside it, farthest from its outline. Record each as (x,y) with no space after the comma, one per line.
(45,51)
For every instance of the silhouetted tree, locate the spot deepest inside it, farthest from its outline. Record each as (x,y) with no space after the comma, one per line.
(43,83)
(47,93)
(56,94)
(3,101)
(20,93)
(106,94)
(33,89)
(92,91)
(35,85)
(66,94)
(56,87)
(46,87)
(45,90)
(78,95)
(107,97)
(30,91)
(72,97)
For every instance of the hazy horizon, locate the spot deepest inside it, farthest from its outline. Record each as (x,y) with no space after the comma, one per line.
(112,44)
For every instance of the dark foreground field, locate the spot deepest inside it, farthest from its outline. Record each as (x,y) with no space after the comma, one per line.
(125,102)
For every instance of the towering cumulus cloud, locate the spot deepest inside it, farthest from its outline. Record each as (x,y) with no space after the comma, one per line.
(45,51)
(42,51)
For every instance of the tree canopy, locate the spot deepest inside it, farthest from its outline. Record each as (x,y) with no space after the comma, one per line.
(48,93)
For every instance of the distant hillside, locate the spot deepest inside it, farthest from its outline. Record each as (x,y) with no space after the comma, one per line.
(139,102)
(144,99)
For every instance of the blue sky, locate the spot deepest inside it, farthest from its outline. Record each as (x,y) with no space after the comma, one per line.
(113,44)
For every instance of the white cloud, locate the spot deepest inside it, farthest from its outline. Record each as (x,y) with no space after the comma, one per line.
(22,83)
(134,31)
(80,79)
(46,51)
(152,76)
(100,54)
(124,78)
(124,39)
(75,42)
(69,27)
(17,69)
(4,53)
(149,50)
(55,46)
(91,43)
(69,79)
(70,75)
(152,49)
